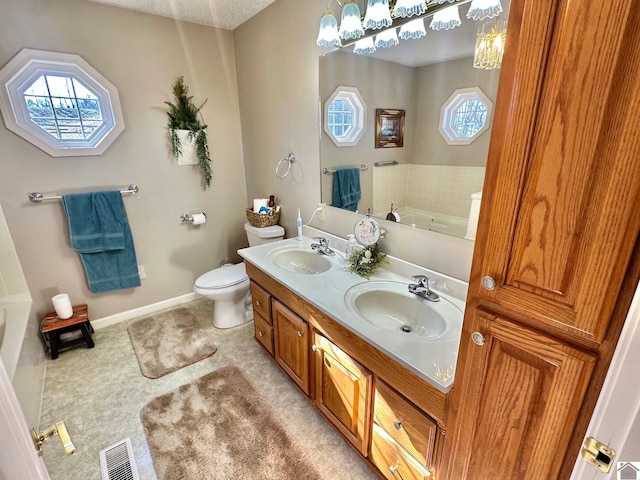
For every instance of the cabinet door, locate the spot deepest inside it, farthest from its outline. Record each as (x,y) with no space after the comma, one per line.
(559,213)
(291,344)
(343,392)
(522,396)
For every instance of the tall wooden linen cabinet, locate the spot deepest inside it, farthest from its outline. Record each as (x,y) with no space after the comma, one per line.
(556,259)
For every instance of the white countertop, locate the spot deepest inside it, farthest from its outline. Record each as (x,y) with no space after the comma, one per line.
(432,359)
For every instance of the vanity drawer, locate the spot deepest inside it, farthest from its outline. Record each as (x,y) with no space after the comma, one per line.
(392,460)
(263,332)
(261,301)
(405,423)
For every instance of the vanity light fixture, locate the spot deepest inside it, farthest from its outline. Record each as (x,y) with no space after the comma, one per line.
(412,30)
(482,9)
(328,35)
(350,23)
(446,19)
(378,15)
(383,18)
(409,8)
(386,38)
(490,45)
(364,46)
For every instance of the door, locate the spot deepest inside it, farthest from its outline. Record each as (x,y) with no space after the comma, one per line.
(525,390)
(343,392)
(18,457)
(556,254)
(291,344)
(617,414)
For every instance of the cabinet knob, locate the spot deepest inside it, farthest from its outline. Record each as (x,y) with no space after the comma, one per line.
(488,283)
(397,424)
(477,338)
(258,303)
(314,347)
(393,469)
(299,333)
(260,334)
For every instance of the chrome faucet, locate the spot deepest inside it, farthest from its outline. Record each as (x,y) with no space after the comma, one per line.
(422,289)
(322,246)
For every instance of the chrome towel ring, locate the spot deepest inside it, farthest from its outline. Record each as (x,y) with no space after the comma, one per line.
(291,158)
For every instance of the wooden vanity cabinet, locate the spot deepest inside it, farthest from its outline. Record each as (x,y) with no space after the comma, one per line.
(263,329)
(554,266)
(343,392)
(291,338)
(392,417)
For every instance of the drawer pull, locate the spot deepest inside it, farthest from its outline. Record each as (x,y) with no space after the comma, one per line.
(397,424)
(260,334)
(314,347)
(394,471)
(299,333)
(257,303)
(488,283)
(477,338)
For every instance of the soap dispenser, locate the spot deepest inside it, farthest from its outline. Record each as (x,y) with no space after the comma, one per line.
(352,246)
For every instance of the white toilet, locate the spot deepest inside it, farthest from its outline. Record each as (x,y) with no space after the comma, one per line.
(228,286)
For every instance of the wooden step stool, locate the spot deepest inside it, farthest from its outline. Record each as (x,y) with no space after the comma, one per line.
(53,326)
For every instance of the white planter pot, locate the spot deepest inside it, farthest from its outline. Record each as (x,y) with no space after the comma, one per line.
(189,150)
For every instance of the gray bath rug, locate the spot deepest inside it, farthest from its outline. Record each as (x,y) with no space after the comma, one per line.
(168,341)
(218,427)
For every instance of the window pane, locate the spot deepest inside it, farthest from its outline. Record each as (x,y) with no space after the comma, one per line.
(469,117)
(60,86)
(70,129)
(39,107)
(48,125)
(90,109)
(39,87)
(65,108)
(82,91)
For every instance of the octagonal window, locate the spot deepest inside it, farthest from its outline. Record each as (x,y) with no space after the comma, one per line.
(344,114)
(59,103)
(465,116)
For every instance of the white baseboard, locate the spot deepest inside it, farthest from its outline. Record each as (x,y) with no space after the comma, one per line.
(142,311)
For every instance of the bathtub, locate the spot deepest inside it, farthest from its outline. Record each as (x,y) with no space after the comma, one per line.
(14,316)
(437,222)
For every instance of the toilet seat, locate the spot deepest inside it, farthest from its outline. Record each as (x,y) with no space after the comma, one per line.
(225,276)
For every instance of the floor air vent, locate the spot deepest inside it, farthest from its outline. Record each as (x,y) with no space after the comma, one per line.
(118,463)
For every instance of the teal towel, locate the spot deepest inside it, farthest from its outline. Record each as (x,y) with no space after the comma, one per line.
(100,233)
(346,188)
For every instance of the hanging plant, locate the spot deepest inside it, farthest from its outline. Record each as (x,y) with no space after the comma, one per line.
(184,115)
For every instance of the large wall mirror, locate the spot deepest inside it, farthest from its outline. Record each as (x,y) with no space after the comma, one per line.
(432,183)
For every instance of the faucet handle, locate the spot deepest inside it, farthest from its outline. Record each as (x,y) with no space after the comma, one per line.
(423,280)
(322,241)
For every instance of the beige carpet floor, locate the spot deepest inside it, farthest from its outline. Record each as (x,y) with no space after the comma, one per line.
(218,427)
(168,341)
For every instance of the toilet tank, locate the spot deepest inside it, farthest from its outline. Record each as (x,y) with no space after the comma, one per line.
(262,235)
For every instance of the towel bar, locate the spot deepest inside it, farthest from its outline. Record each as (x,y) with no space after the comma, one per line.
(330,171)
(37,197)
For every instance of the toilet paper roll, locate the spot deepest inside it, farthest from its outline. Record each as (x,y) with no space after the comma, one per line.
(198,218)
(259,202)
(62,305)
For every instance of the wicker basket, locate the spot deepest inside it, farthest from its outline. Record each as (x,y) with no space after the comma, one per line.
(262,220)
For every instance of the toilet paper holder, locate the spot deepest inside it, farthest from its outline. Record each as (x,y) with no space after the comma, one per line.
(185,217)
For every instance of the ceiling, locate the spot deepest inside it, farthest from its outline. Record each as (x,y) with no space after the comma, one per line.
(227,14)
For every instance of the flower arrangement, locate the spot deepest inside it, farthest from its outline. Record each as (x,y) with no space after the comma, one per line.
(367,260)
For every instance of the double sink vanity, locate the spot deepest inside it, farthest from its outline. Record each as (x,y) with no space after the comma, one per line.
(376,359)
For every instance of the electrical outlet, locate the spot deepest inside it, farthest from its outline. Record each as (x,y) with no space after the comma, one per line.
(321,212)
(141,272)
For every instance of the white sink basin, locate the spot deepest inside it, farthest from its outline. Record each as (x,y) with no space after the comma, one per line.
(389,306)
(297,260)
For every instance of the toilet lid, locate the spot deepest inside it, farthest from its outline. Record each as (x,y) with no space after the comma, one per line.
(223,277)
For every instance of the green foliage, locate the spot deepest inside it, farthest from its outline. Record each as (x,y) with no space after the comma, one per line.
(184,115)
(366,261)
